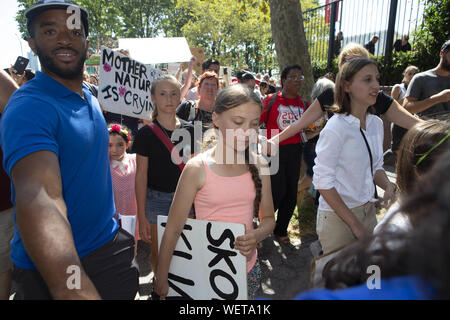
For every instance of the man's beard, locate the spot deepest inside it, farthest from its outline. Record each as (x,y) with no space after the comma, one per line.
(445,65)
(49,64)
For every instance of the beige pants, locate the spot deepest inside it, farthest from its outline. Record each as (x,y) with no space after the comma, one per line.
(6,234)
(334,233)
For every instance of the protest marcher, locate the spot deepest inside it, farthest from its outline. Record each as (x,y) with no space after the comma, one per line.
(201,110)
(412,265)
(228,192)
(338,43)
(123,173)
(156,173)
(349,162)
(280,110)
(55,145)
(8,86)
(385,105)
(249,80)
(398,93)
(209,65)
(402,44)
(422,145)
(370,46)
(312,134)
(263,88)
(428,94)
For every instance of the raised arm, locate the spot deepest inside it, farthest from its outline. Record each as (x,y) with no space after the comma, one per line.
(400,116)
(41,217)
(313,113)
(7,87)
(187,85)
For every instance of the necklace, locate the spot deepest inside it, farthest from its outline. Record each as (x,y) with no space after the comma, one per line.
(165,131)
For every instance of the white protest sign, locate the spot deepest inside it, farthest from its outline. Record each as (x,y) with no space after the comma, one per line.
(124,84)
(205,264)
(157,50)
(128,223)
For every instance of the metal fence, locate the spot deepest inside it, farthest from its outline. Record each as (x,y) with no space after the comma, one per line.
(359,21)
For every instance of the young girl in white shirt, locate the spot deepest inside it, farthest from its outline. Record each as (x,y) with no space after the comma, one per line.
(350,158)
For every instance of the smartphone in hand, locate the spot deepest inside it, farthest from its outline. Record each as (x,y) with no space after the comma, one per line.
(20,65)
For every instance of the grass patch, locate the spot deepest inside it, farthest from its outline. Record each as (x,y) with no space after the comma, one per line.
(303,221)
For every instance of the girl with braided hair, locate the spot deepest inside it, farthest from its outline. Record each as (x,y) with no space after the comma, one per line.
(223,190)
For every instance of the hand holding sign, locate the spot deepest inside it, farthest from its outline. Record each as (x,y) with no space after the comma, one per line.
(247,243)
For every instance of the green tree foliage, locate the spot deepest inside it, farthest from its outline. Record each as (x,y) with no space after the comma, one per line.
(235,32)
(227,32)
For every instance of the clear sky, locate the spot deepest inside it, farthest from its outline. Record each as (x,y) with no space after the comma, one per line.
(10,35)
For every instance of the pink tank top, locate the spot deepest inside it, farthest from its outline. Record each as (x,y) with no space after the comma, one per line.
(227,199)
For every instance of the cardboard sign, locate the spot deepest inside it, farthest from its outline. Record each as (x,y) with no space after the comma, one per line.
(124,84)
(205,264)
(157,50)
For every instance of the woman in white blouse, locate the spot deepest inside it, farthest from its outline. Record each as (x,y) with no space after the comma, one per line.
(345,171)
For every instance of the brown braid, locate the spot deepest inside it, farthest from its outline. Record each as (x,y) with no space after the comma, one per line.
(258,184)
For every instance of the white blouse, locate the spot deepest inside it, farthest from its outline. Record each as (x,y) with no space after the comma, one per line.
(343,161)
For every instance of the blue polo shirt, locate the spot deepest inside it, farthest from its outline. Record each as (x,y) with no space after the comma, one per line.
(45,115)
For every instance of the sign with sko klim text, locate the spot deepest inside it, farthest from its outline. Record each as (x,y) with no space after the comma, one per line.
(124,84)
(205,265)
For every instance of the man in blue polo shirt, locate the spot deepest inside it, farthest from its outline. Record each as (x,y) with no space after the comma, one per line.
(67,244)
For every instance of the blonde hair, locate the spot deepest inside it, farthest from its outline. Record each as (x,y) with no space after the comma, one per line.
(352,50)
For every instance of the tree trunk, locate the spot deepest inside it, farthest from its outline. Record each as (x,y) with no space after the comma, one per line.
(290,41)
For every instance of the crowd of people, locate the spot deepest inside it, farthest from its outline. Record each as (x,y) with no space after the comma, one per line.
(70,171)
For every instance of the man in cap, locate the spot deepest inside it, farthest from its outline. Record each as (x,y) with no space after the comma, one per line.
(67,243)
(428,93)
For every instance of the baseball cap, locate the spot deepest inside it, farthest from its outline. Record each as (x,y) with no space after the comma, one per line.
(44,5)
(446,46)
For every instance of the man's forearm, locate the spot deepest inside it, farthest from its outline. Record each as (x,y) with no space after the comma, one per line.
(415,106)
(48,240)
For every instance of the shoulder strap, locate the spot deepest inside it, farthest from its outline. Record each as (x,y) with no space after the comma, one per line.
(371,160)
(166,141)
(270,107)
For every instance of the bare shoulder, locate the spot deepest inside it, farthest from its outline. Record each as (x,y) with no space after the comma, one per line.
(194,171)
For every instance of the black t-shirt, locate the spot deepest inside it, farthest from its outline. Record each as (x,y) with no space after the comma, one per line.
(188,111)
(384,101)
(162,173)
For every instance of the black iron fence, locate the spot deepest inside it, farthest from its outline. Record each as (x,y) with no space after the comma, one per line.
(359,21)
